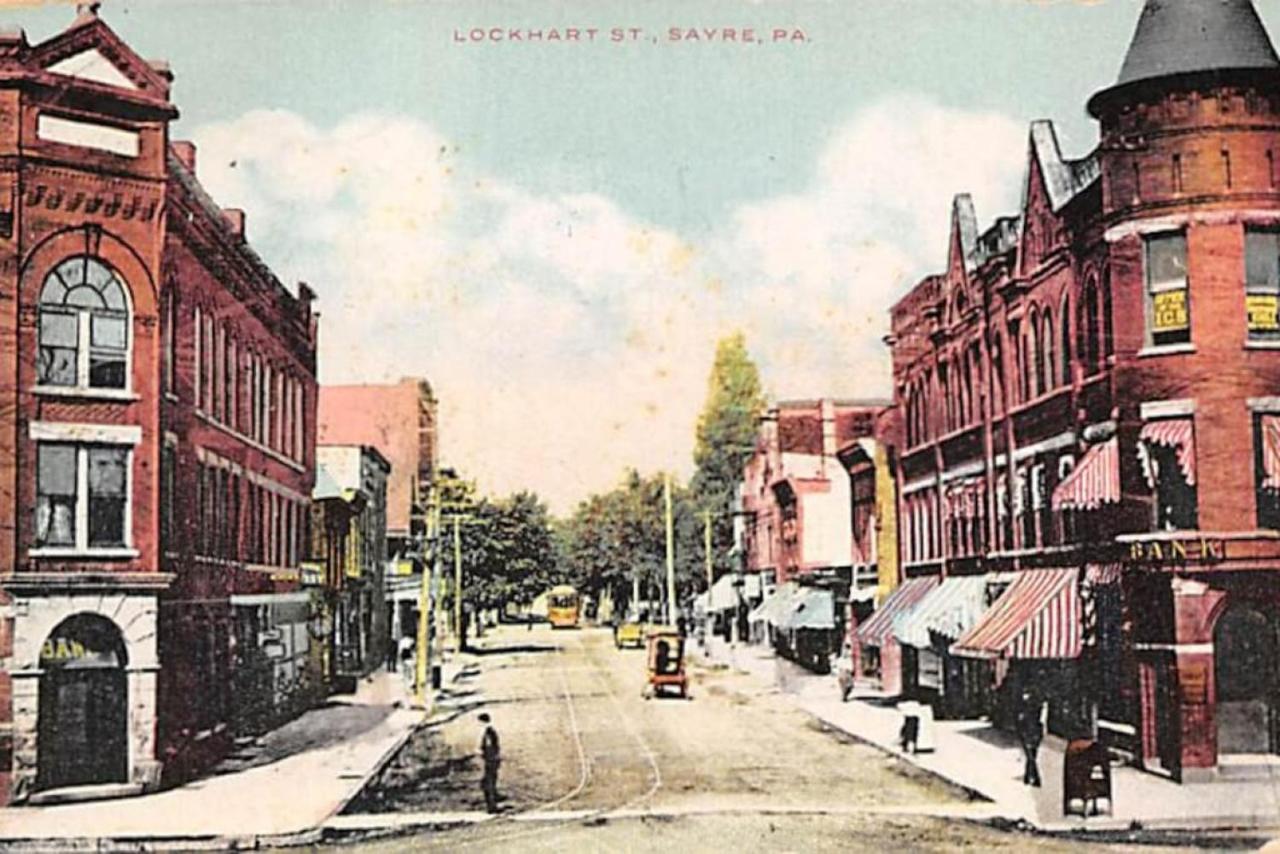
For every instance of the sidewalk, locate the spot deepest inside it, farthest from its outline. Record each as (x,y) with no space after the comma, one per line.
(280,790)
(982,759)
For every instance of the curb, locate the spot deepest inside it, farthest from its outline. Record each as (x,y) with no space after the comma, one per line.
(209,842)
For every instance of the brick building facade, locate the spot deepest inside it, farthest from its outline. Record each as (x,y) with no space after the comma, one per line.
(1088,398)
(157,446)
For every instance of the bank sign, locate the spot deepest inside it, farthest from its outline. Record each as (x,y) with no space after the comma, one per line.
(1201,549)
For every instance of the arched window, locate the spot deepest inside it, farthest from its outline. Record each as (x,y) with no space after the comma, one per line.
(1035,374)
(1091,345)
(1048,365)
(1065,338)
(84,326)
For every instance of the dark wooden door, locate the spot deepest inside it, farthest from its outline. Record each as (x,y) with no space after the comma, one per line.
(83,719)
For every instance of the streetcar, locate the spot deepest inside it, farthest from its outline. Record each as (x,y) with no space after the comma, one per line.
(563,606)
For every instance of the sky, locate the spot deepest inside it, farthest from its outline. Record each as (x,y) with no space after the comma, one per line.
(555,233)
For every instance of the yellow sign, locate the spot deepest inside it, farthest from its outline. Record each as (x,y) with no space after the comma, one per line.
(1169,311)
(61,649)
(404,567)
(1262,310)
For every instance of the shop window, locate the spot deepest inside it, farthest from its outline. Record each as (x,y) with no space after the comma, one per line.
(84,327)
(1168,301)
(1262,283)
(82,496)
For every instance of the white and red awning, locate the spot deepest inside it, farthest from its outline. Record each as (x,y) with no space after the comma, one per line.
(1174,433)
(1093,483)
(1271,451)
(1037,617)
(879,626)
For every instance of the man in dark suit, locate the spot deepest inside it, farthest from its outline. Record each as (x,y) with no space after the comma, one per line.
(491,753)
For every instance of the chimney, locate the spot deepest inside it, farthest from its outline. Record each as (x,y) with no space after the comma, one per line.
(186,153)
(235,219)
(87,11)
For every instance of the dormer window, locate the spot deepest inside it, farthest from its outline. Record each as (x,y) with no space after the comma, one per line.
(84,327)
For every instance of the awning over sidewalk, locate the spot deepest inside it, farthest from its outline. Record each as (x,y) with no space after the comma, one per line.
(1037,617)
(812,608)
(879,626)
(949,609)
(723,595)
(775,605)
(1093,483)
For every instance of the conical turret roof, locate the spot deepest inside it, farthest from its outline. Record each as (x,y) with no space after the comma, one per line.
(1178,37)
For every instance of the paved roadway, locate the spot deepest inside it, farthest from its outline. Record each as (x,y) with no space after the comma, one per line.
(588,764)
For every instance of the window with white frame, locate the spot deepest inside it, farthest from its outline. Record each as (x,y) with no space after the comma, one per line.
(83,327)
(1262,283)
(82,496)
(1168,300)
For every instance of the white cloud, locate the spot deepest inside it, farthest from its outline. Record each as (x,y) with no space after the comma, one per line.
(565,339)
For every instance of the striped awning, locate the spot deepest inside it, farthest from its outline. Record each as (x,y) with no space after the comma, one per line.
(949,609)
(1093,483)
(1271,451)
(1174,433)
(1037,617)
(879,626)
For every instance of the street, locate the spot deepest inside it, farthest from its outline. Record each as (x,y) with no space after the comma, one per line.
(590,765)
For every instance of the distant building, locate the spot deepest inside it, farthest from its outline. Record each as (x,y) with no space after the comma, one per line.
(349,542)
(157,452)
(401,421)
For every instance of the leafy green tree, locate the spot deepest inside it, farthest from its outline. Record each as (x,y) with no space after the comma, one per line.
(615,542)
(725,440)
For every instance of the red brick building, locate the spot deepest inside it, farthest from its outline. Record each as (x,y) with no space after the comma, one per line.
(156,449)
(1090,396)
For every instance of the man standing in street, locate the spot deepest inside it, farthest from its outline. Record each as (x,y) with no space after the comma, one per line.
(491,753)
(1030,732)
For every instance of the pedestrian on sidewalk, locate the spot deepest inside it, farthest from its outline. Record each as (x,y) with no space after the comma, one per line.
(491,753)
(1030,732)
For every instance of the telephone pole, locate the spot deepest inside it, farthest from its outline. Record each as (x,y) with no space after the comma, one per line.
(425,596)
(706,547)
(671,550)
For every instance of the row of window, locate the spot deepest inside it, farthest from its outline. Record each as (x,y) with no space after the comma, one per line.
(239,387)
(240,520)
(1043,360)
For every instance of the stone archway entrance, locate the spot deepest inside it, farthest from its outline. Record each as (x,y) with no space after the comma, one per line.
(1245,646)
(83,705)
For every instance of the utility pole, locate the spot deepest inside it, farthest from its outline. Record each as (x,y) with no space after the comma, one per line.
(422,663)
(457,582)
(671,550)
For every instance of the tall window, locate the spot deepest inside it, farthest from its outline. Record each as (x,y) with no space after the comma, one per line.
(1168,305)
(1035,370)
(82,496)
(1262,283)
(84,326)
(1048,365)
(169,336)
(1065,338)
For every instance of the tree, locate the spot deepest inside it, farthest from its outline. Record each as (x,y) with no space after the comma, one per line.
(616,541)
(508,547)
(726,437)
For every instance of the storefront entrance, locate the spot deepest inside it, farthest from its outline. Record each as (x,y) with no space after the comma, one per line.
(1245,667)
(83,705)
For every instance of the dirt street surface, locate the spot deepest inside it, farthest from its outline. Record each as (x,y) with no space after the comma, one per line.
(736,767)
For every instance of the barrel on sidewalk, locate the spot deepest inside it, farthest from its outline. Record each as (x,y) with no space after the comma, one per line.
(1086,778)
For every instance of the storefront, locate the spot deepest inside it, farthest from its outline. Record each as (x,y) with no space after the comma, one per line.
(1031,636)
(927,632)
(877,656)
